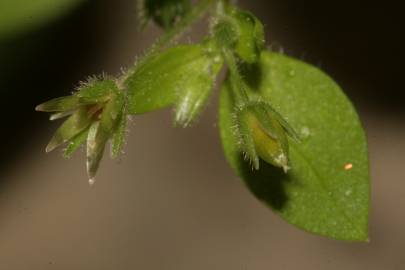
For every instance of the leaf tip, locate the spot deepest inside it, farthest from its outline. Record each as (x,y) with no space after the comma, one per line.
(362,239)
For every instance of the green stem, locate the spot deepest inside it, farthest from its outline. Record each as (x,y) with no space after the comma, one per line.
(237,84)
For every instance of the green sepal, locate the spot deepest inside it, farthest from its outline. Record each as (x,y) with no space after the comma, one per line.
(243,135)
(60,115)
(92,92)
(60,104)
(261,135)
(112,112)
(97,91)
(225,33)
(101,131)
(96,140)
(75,124)
(241,31)
(75,143)
(251,36)
(155,84)
(197,90)
(291,132)
(272,120)
(118,139)
(165,13)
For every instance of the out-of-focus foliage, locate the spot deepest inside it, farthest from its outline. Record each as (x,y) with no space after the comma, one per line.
(164,12)
(19,16)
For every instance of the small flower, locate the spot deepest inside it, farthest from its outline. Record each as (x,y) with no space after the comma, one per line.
(263,135)
(96,114)
(240,31)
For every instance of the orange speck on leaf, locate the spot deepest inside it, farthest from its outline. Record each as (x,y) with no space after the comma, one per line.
(348,166)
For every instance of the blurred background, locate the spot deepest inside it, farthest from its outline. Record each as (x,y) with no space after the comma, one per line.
(172,202)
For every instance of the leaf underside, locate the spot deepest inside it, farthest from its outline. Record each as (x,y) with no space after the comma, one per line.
(326,192)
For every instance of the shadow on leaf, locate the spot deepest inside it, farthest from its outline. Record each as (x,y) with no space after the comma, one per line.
(267,183)
(253,75)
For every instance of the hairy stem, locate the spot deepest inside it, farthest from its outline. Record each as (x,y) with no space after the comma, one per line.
(237,84)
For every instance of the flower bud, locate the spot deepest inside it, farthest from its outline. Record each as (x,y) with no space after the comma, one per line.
(242,31)
(263,135)
(196,90)
(182,77)
(251,40)
(94,113)
(226,33)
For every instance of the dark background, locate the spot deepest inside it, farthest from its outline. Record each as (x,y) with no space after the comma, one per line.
(173,203)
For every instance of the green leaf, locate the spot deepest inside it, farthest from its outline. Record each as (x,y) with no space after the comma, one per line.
(74,125)
(165,13)
(163,80)
(75,143)
(326,190)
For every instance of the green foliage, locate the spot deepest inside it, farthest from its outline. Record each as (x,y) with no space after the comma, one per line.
(287,129)
(326,190)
